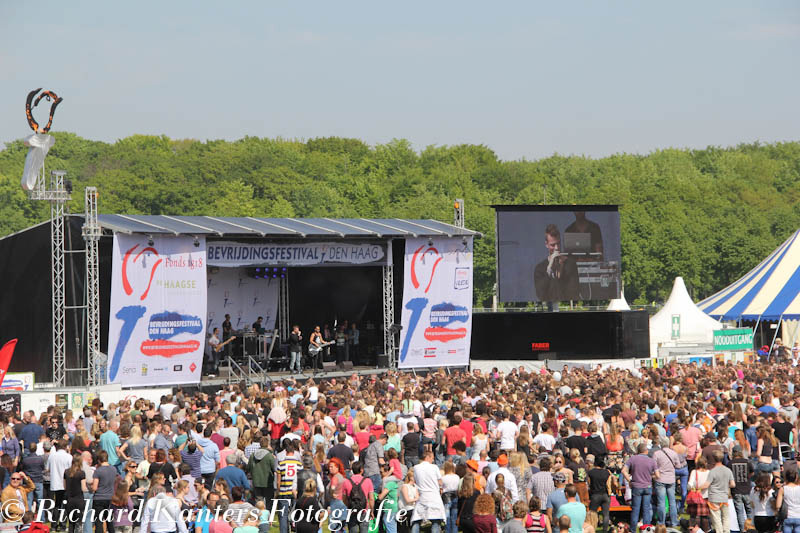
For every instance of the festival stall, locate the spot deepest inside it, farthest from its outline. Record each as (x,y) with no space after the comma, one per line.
(680,323)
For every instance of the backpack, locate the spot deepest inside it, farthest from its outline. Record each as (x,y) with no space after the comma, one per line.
(504,508)
(357,499)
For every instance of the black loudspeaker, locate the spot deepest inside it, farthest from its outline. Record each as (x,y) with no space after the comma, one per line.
(383,361)
(328,366)
(347,365)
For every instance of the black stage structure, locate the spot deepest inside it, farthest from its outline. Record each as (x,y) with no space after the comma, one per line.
(565,335)
(309,295)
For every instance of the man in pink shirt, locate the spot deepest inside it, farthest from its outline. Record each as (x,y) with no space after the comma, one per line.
(366,487)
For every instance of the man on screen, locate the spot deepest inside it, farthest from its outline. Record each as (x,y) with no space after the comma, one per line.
(555,278)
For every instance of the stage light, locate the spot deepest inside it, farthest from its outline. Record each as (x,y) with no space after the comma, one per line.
(196,242)
(284,269)
(464,240)
(430,242)
(258,270)
(150,240)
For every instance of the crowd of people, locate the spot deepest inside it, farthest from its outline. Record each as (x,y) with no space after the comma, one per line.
(473,452)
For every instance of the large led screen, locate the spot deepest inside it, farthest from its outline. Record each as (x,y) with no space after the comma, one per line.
(557,253)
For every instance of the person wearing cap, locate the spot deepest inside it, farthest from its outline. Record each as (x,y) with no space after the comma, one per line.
(510,481)
(556,498)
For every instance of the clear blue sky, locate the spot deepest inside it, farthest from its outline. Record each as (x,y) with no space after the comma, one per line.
(525,78)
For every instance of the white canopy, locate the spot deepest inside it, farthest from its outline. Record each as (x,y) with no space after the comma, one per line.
(680,321)
(618,304)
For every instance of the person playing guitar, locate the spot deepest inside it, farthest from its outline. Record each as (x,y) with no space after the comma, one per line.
(315,346)
(215,347)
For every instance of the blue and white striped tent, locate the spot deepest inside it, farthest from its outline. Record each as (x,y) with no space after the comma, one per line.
(770,292)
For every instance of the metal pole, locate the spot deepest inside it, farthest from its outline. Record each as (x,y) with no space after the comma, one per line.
(775,336)
(91,234)
(388,310)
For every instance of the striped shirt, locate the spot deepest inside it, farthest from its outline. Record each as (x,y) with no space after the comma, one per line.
(288,468)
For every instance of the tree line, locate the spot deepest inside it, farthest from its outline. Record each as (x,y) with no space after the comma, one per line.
(708,215)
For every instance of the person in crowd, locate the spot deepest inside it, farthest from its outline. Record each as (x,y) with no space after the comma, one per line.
(639,472)
(719,484)
(14,497)
(483,516)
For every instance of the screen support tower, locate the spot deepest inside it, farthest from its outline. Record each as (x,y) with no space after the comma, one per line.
(58,195)
(91,234)
(458,213)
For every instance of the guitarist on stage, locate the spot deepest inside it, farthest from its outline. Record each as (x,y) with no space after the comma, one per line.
(316,341)
(295,349)
(213,351)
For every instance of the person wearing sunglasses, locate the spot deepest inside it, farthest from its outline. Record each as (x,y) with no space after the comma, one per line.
(14,498)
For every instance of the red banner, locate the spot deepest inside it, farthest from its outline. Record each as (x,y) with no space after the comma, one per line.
(6,352)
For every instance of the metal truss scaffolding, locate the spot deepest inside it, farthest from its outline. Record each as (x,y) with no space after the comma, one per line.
(283,310)
(388,313)
(58,196)
(91,234)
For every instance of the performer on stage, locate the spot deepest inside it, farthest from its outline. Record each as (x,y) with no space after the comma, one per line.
(260,331)
(211,351)
(295,349)
(316,341)
(341,346)
(227,331)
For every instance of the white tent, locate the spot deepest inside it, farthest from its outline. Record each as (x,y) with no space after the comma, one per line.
(618,304)
(680,321)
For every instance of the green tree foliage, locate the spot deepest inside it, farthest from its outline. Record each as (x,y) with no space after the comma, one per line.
(707,215)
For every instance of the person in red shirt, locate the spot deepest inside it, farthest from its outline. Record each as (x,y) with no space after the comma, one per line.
(467,426)
(454,434)
(362,437)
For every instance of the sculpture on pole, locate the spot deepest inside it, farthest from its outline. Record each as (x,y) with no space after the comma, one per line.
(40,142)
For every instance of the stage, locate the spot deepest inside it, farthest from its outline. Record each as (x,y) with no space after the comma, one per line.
(164,283)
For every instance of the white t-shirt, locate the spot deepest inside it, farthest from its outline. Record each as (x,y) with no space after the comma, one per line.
(450,483)
(313,394)
(545,440)
(508,434)
(427,476)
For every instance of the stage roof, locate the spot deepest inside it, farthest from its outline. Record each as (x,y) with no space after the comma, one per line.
(341,228)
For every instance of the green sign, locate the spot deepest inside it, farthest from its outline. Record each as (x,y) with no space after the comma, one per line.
(676,326)
(731,340)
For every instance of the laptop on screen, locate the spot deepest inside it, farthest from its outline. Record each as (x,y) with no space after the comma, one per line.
(577,243)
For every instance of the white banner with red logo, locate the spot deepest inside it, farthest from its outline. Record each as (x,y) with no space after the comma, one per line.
(437,303)
(156,332)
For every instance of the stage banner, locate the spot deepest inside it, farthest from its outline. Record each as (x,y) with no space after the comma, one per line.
(437,303)
(156,331)
(232,292)
(236,254)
